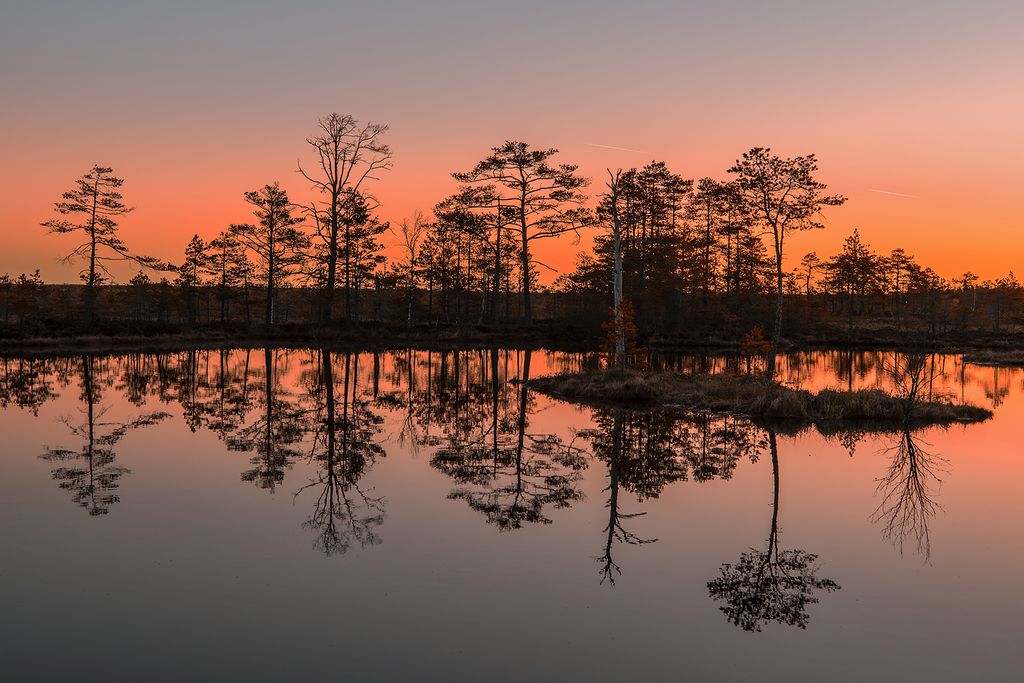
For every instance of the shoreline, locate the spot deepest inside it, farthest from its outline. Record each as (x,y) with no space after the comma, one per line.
(1003,351)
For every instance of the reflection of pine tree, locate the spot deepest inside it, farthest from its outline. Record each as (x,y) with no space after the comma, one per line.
(716,444)
(275,435)
(770,585)
(503,472)
(343,446)
(647,450)
(90,472)
(25,383)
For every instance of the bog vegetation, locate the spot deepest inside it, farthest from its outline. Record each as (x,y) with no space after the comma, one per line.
(672,258)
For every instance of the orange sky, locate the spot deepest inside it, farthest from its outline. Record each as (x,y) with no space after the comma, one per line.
(193,106)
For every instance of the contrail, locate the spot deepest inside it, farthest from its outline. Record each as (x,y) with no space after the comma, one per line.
(895,194)
(621,149)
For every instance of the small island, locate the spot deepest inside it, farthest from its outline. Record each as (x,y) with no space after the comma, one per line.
(754,397)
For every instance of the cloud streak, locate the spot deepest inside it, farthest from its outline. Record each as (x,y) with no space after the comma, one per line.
(621,149)
(894,194)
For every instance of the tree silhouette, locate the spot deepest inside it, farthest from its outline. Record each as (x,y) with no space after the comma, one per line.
(770,585)
(547,199)
(783,195)
(190,275)
(95,204)
(348,154)
(476,214)
(227,266)
(276,242)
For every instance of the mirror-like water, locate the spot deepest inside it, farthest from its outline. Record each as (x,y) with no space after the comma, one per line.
(291,513)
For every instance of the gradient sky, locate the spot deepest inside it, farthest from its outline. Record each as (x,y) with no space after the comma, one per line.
(195,102)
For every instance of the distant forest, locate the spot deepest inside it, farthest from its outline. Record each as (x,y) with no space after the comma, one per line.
(671,256)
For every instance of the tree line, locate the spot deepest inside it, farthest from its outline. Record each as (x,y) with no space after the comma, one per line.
(669,253)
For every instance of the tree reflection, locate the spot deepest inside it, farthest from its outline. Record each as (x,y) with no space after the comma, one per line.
(25,383)
(276,433)
(344,513)
(90,472)
(609,446)
(645,451)
(503,472)
(770,585)
(907,491)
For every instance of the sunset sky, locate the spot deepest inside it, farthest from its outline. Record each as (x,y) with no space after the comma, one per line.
(914,109)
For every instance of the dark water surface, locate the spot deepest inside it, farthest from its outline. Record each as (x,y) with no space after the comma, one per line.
(424,516)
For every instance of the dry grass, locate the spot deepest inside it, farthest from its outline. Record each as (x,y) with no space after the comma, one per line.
(1013,358)
(750,396)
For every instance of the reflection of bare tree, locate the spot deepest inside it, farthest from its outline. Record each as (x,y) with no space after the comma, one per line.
(612,453)
(90,472)
(506,474)
(343,445)
(770,585)
(907,494)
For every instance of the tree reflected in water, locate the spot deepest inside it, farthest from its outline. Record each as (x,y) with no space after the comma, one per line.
(770,585)
(907,490)
(646,450)
(274,436)
(344,448)
(25,383)
(90,472)
(502,471)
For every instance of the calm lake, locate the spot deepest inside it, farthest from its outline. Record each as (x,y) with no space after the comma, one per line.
(288,514)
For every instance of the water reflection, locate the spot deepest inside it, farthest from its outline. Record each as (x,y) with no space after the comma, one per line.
(90,472)
(344,448)
(908,493)
(770,585)
(503,472)
(274,434)
(316,422)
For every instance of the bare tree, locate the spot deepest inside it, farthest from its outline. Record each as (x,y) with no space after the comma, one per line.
(348,154)
(616,223)
(411,234)
(95,203)
(547,199)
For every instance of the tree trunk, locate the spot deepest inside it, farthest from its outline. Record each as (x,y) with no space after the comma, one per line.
(777,327)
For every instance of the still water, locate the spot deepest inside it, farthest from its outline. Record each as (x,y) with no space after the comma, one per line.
(288,514)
